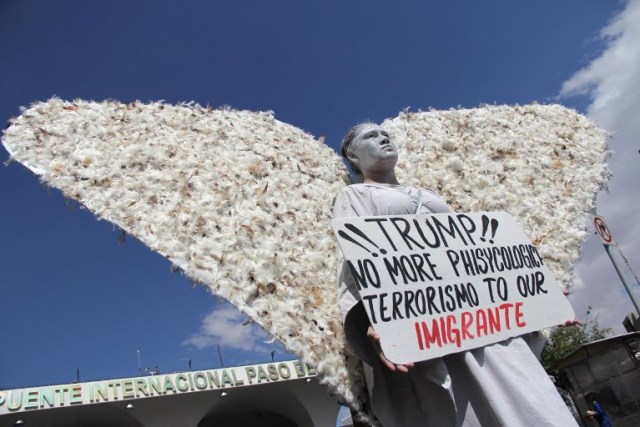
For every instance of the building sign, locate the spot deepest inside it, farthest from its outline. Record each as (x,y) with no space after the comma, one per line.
(439,284)
(12,401)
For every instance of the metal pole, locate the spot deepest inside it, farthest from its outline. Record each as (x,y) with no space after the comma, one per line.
(220,356)
(626,284)
(139,367)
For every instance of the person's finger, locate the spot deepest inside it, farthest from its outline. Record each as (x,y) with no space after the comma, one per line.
(405,367)
(375,340)
(372,334)
(402,368)
(387,363)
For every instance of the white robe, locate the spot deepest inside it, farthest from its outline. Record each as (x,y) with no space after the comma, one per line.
(498,385)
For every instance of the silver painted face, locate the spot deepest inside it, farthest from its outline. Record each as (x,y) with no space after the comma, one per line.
(372,148)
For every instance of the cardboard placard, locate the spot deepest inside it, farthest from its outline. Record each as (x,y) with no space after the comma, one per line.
(438,284)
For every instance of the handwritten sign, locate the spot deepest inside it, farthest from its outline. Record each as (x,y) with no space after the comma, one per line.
(439,284)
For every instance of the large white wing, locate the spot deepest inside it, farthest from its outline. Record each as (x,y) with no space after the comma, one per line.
(544,164)
(238,200)
(241,202)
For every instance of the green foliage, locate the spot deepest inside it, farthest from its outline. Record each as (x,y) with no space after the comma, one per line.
(564,340)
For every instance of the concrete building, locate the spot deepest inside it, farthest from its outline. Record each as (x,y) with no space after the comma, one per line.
(284,394)
(610,369)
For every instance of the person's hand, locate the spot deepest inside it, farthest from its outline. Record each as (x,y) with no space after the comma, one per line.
(573,322)
(375,340)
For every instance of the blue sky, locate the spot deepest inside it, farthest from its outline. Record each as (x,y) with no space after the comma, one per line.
(72,297)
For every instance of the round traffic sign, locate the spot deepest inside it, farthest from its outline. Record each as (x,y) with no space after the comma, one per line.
(603,230)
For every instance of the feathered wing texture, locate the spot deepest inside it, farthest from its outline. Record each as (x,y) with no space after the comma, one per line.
(544,164)
(241,202)
(238,200)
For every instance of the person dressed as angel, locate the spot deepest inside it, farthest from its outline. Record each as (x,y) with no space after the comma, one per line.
(502,384)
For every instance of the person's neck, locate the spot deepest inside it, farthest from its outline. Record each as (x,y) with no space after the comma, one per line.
(389,178)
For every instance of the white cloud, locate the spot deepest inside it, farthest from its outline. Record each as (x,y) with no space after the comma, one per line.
(612,81)
(226,327)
